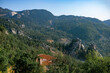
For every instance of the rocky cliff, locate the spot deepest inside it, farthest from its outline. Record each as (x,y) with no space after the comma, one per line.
(77,49)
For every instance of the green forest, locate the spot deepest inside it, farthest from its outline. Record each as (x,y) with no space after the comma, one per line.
(79,44)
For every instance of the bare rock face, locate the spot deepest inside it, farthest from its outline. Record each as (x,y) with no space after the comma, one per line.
(49,48)
(13,31)
(6,32)
(22,26)
(51,22)
(21,33)
(12,13)
(77,49)
(76,44)
(64,41)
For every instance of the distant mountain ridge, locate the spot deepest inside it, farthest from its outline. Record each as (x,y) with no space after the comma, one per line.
(107,22)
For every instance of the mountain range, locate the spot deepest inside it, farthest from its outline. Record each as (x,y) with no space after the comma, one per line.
(41,24)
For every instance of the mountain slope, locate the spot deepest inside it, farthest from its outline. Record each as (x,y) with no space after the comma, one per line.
(42,24)
(35,16)
(4,11)
(107,22)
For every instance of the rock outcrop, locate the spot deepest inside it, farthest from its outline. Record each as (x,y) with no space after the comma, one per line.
(21,32)
(76,44)
(49,48)
(13,31)
(77,49)
(12,13)
(93,48)
(22,26)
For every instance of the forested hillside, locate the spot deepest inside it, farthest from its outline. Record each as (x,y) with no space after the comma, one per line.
(107,22)
(78,44)
(43,25)
(20,53)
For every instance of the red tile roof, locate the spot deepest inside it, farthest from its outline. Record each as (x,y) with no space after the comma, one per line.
(48,59)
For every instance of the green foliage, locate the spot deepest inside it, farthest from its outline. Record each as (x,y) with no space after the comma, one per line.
(92,55)
(18,51)
(22,51)
(15,52)
(43,25)
(95,64)
(65,64)
(2,28)
(3,61)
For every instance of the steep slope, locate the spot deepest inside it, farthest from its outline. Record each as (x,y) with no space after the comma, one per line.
(43,25)
(107,22)
(78,50)
(18,53)
(39,32)
(34,17)
(81,27)
(93,49)
(89,30)
(4,12)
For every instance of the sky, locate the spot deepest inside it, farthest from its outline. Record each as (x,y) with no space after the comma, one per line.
(89,8)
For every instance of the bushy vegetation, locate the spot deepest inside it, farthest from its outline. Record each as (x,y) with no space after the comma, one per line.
(22,57)
(43,25)
(19,52)
(93,64)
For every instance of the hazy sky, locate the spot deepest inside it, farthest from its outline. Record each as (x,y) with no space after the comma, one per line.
(90,8)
